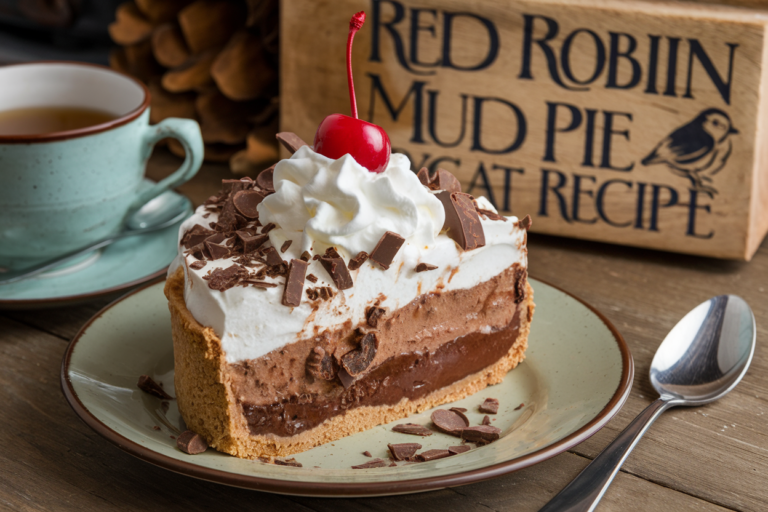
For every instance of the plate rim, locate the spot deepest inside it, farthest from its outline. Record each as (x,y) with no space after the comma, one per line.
(351,489)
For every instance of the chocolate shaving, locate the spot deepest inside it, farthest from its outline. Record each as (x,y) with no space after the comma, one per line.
(525,222)
(433,455)
(294,285)
(413,429)
(375,463)
(250,242)
(272,257)
(320,293)
(246,202)
(489,214)
(321,365)
(265,180)
(461,220)
(486,420)
(290,141)
(149,386)
(197,265)
(261,284)
(225,278)
(195,235)
(306,257)
(191,443)
(519,407)
(403,451)
(373,314)
(269,227)
(357,361)
(337,269)
(449,422)
(286,245)
(288,462)
(367,453)
(460,411)
(490,406)
(482,434)
(455,450)
(441,180)
(233,186)
(423,267)
(312,278)
(356,262)
(217,251)
(387,248)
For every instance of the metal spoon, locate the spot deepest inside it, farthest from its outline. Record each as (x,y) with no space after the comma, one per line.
(161,212)
(702,358)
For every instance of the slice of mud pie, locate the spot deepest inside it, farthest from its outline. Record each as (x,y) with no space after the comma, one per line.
(341,300)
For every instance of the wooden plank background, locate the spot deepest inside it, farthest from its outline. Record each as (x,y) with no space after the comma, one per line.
(711,458)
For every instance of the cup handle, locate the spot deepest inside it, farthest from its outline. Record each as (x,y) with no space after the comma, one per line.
(187,132)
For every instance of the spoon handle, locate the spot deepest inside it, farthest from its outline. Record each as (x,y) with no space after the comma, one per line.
(586,490)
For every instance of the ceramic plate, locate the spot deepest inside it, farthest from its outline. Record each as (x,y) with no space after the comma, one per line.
(577,375)
(118,267)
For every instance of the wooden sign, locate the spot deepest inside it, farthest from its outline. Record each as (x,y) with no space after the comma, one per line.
(636,123)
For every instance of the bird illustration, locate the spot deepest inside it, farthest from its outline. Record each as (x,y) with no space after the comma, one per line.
(697,150)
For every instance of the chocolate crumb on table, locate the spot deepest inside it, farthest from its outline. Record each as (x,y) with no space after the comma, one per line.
(490,406)
(460,411)
(190,442)
(432,455)
(375,463)
(386,249)
(413,429)
(519,407)
(424,267)
(288,462)
(455,450)
(403,451)
(149,386)
(482,434)
(449,422)
(367,453)
(486,420)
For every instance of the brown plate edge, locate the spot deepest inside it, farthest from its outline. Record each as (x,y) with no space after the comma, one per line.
(320,489)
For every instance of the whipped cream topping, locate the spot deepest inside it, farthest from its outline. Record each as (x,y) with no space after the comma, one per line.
(252,322)
(320,203)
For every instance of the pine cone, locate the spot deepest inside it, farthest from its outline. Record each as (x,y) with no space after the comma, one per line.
(214,61)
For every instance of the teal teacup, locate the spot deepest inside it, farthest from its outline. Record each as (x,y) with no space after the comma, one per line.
(60,191)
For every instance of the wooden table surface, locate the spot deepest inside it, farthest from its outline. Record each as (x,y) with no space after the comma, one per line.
(710,458)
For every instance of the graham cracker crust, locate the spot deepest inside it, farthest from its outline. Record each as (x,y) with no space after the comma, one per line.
(209,407)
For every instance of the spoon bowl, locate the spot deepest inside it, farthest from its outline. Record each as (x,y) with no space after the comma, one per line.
(159,210)
(707,353)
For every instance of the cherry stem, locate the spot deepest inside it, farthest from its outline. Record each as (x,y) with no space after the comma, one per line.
(355,24)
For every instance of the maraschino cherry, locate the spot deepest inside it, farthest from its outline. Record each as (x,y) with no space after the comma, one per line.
(338,134)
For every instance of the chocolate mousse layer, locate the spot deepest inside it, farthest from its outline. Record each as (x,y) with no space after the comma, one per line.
(411,375)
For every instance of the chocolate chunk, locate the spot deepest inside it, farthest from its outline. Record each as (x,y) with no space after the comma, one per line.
(455,450)
(489,214)
(423,267)
(269,227)
(217,251)
(373,315)
(290,141)
(387,248)
(261,284)
(306,257)
(482,434)
(460,411)
(525,222)
(149,386)
(246,201)
(461,220)
(486,420)
(402,451)
(345,378)
(273,258)
(433,455)
(265,180)
(375,463)
(216,238)
(490,406)
(191,443)
(449,422)
(288,462)
(367,453)
(441,180)
(321,365)
(197,265)
(312,278)
(294,284)
(337,269)
(521,277)
(227,219)
(196,235)
(357,361)
(320,293)
(251,242)
(356,262)
(413,429)
(233,186)
(286,245)
(519,407)
(225,278)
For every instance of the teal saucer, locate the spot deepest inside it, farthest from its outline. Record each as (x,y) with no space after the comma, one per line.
(115,269)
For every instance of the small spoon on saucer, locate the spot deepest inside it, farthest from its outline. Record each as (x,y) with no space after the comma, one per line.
(702,358)
(161,212)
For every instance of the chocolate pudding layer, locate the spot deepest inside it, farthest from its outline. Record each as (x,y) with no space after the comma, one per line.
(412,375)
